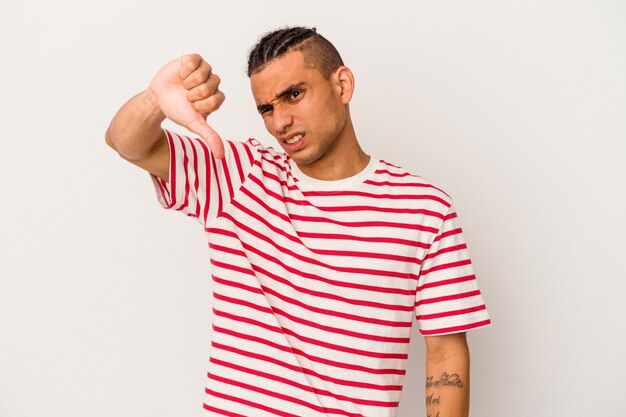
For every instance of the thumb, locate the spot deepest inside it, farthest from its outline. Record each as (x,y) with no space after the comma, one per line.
(210,136)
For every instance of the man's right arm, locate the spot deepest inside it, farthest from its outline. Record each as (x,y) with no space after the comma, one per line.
(136,134)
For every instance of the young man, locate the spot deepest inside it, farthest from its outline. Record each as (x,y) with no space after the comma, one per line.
(321,255)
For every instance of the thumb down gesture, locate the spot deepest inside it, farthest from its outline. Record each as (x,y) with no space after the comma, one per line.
(187,92)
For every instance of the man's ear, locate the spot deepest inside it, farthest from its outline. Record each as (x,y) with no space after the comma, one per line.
(344,82)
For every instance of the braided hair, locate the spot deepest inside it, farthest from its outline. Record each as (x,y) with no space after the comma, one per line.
(318,52)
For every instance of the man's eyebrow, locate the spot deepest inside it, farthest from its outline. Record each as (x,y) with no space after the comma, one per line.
(291,88)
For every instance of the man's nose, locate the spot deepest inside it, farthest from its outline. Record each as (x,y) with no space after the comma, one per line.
(281,119)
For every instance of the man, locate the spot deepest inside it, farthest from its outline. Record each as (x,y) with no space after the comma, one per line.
(320,254)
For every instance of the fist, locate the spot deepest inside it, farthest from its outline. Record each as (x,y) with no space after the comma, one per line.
(187,92)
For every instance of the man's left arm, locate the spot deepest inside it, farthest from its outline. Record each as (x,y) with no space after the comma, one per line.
(447,376)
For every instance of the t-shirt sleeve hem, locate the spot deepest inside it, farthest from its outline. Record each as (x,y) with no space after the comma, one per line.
(166,190)
(456,329)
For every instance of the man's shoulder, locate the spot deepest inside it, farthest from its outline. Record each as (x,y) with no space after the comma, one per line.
(395,175)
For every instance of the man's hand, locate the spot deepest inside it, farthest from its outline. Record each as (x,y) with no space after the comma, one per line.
(187,92)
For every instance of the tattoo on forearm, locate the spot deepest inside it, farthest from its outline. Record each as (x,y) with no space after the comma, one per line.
(431,399)
(446,380)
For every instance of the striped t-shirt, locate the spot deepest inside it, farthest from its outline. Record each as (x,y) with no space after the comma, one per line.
(316,283)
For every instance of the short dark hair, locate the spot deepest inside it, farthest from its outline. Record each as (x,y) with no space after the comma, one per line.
(318,52)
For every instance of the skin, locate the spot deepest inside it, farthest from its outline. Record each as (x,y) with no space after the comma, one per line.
(447,376)
(295,98)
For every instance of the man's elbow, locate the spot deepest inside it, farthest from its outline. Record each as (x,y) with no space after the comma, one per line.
(108,139)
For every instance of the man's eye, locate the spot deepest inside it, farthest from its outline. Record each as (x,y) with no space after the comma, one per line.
(295,94)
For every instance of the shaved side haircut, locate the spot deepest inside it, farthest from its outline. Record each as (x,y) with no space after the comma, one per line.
(318,52)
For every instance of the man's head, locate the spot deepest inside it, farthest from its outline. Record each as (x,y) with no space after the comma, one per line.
(302,90)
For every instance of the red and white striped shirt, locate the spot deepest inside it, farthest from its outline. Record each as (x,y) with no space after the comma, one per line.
(315,283)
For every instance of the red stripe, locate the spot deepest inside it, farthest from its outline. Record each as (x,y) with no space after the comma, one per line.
(270,174)
(237,284)
(266,290)
(249,403)
(447,298)
(310,323)
(343,208)
(312,358)
(207,180)
(395,174)
(239,301)
(222,412)
(268,209)
(314,235)
(397,241)
(162,190)
(237,158)
(283,397)
(446,266)
(303,274)
(218,182)
(353,301)
(454,329)
(446,250)
(231,267)
(449,233)
(401,210)
(321,294)
(303,387)
(451,313)
(285,199)
(366,271)
(404,184)
(331,296)
(224,163)
(377,196)
(332,346)
(390,164)
(399,184)
(342,331)
(172,179)
(248,151)
(409,226)
(446,282)
(369,255)
(196,181)
(343,315)
(185,164)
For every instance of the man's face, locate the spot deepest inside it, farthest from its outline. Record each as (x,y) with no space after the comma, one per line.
(304,111)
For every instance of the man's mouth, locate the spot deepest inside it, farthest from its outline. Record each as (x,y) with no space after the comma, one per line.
(294,139)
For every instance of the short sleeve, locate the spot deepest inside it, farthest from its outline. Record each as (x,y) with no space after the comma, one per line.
(200,185)
(448,299)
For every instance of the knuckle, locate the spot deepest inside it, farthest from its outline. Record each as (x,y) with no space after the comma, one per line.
(190,60)
(218,99)
(203,90)
(196,77)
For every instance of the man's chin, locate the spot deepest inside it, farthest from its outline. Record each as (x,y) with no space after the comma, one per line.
(303,159)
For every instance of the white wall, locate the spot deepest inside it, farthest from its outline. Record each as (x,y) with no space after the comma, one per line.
(516,108)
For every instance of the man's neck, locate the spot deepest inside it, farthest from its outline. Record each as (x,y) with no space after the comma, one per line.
(345,160)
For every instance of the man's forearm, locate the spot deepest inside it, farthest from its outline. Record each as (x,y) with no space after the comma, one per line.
(447,382)
(136,127)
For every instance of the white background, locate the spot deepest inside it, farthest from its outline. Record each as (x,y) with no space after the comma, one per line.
(516,108)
